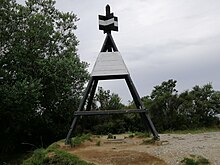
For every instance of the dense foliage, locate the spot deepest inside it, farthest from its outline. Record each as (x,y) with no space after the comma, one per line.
(41,75)
(105,100)
(188,110)
(168,109)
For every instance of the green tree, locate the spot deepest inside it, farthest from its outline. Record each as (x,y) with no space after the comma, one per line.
(188,110)
(162,104)
(105,100)
(205,104)
(198,107)
(184,111)
(108,100)
(41,75)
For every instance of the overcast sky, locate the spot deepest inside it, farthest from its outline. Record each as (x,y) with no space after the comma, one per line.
(158,39)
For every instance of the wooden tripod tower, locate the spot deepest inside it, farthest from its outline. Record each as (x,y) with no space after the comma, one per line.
(109,65)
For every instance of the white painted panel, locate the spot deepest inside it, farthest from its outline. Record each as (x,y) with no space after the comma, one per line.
(109,63)
(108,22)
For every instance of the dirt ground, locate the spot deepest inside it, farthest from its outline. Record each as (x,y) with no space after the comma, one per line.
(170,150)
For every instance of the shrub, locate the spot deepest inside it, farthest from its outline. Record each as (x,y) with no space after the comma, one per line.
(195,160)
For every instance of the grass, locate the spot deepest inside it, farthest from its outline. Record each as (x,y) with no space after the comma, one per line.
(145,135)
(53,156)
(192,131)
(195,160)
(81,139)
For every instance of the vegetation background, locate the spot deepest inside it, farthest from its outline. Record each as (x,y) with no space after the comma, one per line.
(42,80)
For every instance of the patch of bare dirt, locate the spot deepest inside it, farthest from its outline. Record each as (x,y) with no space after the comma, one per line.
(170,150)
(116,157)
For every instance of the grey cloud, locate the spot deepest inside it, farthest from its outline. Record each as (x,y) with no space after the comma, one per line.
(158,40)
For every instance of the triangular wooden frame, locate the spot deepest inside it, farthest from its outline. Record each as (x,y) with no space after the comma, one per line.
(90,92)
(113,68)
